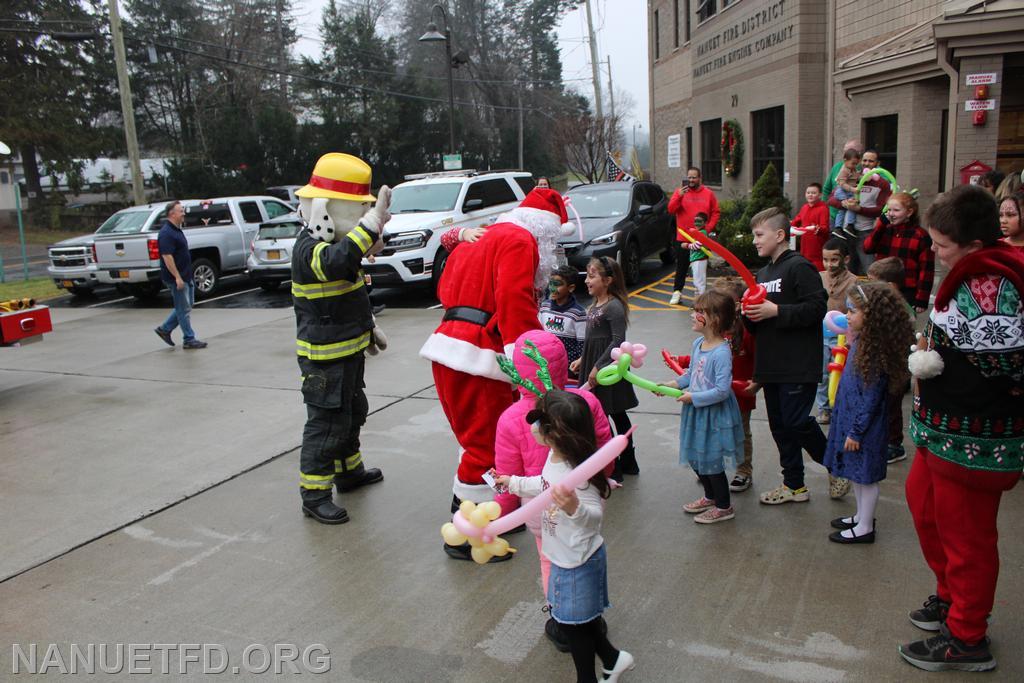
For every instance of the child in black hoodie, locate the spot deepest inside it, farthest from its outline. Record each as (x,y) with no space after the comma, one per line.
(788,356)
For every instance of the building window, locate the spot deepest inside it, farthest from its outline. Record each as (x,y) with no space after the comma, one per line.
(657,31)
(689,147)
(711,151)
(686,20)
(769,128)
(675,23)
(706,9)
(881,133)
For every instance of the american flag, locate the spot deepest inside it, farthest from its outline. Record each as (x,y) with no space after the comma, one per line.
(615,172)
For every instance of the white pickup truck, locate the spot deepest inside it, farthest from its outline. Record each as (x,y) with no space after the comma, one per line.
(219,232)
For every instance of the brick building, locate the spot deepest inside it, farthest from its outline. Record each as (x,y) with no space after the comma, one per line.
(800,77)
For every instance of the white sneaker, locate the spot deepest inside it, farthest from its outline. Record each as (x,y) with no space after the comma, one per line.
(624,663)
(676,296)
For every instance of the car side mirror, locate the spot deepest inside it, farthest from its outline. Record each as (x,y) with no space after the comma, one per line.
(472,204)
(645,210)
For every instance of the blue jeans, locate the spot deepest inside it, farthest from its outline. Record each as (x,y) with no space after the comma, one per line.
(580,594)
(843,216)
(183,299)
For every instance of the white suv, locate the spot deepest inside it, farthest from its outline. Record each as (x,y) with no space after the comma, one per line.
(430,204)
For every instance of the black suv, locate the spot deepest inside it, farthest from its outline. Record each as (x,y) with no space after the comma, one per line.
(628,221)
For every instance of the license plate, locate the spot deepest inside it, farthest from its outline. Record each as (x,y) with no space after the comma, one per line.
(67,284)
(274,254)
(123,274)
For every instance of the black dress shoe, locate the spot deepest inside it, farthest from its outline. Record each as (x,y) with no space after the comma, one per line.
(351,483)
(837,537)
(325,512)
(841,523)
(465,552)
(554,633)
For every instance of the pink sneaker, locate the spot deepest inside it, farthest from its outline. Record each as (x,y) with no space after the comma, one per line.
(699,505)
(715,515)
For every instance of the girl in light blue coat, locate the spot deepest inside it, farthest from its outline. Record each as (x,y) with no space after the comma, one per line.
(710,428)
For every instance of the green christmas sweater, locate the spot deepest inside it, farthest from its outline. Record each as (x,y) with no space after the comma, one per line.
(972,414)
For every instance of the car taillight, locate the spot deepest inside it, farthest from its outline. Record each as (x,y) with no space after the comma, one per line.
(95,259)
(154,250)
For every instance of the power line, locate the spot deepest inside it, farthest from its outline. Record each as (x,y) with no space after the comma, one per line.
(324,81)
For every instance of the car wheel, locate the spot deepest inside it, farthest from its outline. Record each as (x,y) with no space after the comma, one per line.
(631,263)
(206,277)
(270,285)
(440,261)
(80,291)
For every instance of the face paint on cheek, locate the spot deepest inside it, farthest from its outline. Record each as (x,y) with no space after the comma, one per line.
(699,317)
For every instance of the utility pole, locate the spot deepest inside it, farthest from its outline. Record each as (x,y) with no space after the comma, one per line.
(127,111)
(611,90)
(594,64)
(519,99)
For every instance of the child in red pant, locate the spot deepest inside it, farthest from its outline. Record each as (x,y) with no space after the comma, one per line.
(968,425)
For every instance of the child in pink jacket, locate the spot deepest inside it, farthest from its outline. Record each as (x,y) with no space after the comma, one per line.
(516,452)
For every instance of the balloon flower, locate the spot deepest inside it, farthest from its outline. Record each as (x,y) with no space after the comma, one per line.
(626,357)
(482,524)
(835,322)
(755,293)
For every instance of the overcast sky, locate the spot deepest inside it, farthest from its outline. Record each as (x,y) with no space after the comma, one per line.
(621,27)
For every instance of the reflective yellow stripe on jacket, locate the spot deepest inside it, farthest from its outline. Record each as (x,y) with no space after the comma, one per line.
(335,350)
(322,290)
(361,238)
(315,264)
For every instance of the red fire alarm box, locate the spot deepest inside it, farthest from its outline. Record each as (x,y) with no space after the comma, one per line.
(980,118)
(972,172)
(25,324)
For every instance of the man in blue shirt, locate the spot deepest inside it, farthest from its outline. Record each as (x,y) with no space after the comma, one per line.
(176,273)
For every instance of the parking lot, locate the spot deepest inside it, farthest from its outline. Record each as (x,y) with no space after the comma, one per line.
(149,496)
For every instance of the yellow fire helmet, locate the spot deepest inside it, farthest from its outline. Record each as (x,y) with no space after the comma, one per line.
(339,176)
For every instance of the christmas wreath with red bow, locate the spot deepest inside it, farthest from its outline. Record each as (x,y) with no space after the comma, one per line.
(732,147)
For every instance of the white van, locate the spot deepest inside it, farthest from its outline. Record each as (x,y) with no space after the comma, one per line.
(430,204)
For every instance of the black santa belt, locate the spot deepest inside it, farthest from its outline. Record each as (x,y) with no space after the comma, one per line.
(468,314)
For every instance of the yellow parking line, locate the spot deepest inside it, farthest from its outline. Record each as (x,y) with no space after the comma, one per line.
(642,296)
(653,284)
(645,308)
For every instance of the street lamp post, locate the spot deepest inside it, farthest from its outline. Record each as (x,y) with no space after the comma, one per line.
(432,36)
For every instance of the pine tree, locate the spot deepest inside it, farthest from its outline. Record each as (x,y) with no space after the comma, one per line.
(766,193)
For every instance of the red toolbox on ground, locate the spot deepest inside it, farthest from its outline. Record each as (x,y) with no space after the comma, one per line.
(21,325)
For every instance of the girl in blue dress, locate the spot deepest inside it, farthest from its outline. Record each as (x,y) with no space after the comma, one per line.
(710,429)
(875,374)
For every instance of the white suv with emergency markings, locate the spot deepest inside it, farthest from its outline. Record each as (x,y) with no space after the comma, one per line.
(428,205)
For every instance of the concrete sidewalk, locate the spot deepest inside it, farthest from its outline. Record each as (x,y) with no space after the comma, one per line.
(149,495)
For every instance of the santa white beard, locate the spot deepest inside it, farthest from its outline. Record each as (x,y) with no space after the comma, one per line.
(546,229)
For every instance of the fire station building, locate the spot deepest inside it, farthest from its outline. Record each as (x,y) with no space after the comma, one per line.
(933,85)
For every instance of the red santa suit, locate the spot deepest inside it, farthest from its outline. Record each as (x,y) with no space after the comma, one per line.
(488,291)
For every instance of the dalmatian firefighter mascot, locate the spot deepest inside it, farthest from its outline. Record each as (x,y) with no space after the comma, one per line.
(489,292)
(334,327)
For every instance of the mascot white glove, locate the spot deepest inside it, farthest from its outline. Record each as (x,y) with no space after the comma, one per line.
(376,218)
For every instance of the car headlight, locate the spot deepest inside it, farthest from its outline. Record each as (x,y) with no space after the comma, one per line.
(610,238)
(405,241)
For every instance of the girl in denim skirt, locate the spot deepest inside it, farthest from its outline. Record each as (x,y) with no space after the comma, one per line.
(571,532)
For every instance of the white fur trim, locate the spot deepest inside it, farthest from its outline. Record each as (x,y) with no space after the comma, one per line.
(925,364)
(463,356)
(509,349)
(478,493)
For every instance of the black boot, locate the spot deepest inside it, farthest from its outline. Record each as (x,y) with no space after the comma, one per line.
(554,633)
(627,462)
(353,480)
(324,511)
(465,552)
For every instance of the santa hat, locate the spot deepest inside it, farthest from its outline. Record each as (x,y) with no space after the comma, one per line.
(546,199)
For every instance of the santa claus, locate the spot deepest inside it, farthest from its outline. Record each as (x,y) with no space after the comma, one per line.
(489,291)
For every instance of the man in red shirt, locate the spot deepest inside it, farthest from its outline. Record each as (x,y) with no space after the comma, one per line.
(686,202)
